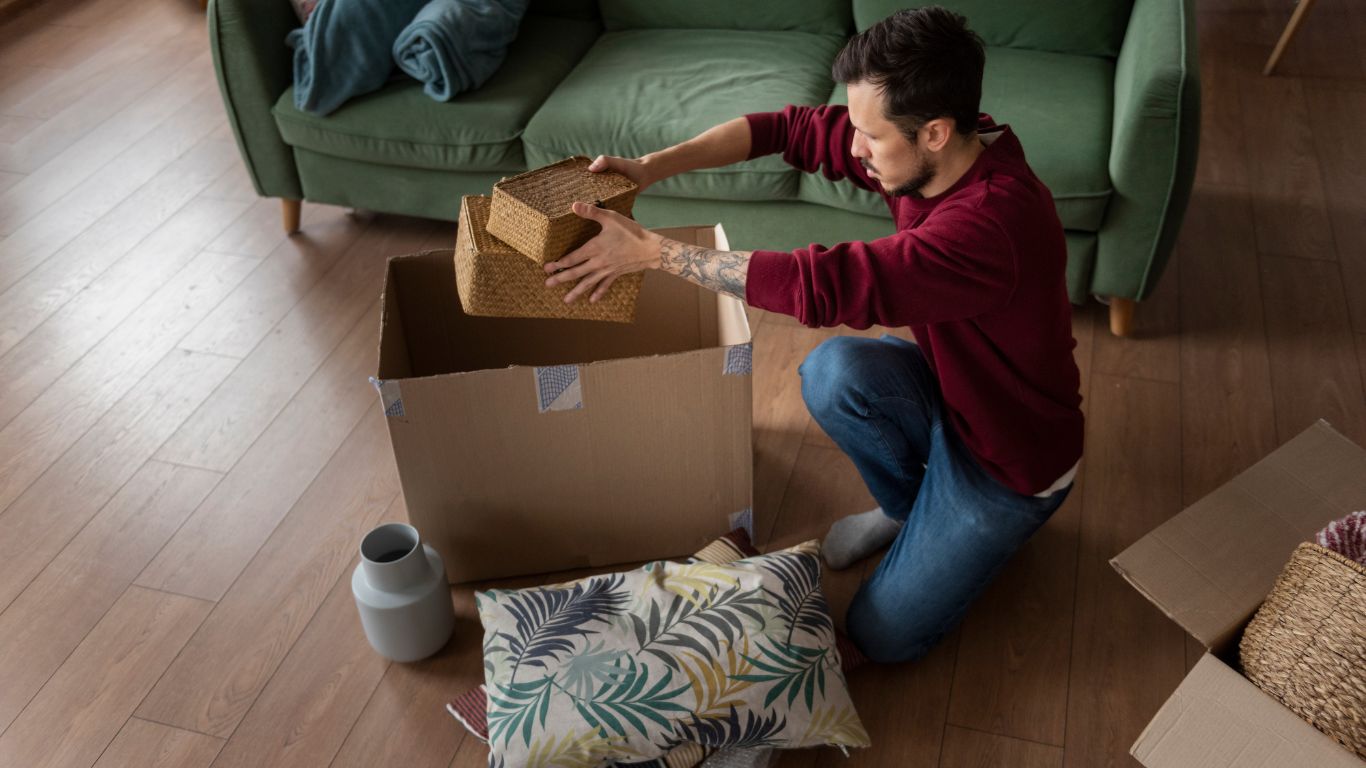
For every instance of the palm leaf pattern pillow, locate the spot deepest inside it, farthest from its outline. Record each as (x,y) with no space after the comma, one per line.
(626,666)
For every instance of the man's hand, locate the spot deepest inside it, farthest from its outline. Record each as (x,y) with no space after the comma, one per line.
(622,247)
(637,171)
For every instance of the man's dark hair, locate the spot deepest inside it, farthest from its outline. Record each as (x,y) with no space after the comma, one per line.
(927,63)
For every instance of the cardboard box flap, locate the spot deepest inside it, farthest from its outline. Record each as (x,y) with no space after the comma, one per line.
(1217,719)
(1210,566)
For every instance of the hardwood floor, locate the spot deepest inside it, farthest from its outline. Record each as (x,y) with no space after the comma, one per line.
(189,450)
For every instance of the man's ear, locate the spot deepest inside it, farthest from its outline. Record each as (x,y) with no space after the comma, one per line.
(937,133)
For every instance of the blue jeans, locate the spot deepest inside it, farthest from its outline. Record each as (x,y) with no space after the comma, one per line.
(881,404)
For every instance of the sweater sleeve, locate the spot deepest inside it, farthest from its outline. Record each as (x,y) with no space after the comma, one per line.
(957,267)
(810,139)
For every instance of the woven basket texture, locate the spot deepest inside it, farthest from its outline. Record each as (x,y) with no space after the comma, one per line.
(531,211)
(1307,644)
(494,280)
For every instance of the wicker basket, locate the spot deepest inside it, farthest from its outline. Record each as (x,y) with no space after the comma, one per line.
(1307,644)
(493,280)
(532,213)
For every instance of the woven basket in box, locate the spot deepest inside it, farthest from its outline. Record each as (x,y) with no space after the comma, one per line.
(532,211)
(494,280)
(1307,644)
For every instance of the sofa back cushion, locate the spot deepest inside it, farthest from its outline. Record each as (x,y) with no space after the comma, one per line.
(1085,27)
(818,16)
(586,10)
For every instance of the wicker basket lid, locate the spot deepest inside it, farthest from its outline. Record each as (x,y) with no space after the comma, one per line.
(553,189)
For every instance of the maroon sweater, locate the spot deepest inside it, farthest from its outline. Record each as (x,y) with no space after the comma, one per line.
(976,273)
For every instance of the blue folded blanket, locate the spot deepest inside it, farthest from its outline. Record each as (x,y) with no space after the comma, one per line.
(456,45)
(344,50)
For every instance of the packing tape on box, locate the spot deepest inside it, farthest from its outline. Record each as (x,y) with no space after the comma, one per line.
(743,519)
(739,360)
(390,396)
(558,388)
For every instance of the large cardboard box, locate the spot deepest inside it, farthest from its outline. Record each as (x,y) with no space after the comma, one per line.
(535,445)
(1209,568)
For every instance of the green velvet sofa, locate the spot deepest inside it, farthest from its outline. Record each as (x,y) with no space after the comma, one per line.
(1104,95)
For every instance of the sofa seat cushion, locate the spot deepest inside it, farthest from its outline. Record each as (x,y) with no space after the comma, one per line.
(1059,105)
(476,131)
(638,91)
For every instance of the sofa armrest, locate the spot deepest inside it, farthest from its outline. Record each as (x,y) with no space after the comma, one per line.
(254,66)
(1153,148)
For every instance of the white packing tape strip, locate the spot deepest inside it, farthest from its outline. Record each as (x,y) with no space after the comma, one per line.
(739,360)
(390,396)
(558,388)
(743,519)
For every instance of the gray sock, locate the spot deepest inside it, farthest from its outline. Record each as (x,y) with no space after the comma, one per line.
(857,536)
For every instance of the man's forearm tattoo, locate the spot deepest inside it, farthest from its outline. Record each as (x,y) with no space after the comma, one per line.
(721,271)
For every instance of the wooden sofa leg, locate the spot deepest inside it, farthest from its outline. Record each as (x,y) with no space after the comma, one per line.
(1121,316)
(291,210)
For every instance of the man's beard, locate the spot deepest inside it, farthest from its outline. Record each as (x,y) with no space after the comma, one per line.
(924,174)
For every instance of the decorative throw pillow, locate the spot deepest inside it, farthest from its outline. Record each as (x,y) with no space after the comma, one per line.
(470,708)
(626,666)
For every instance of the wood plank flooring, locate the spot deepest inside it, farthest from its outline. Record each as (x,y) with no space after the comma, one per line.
(189,451)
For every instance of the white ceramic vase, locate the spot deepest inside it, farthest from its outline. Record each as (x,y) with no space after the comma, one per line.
(401,593)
